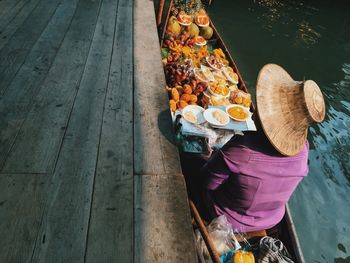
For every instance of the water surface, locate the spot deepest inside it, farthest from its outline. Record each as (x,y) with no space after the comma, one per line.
(311,40)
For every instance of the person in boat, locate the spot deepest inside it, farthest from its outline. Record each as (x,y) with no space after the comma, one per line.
(251,178)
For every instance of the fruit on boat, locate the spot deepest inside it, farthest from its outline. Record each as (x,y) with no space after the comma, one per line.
(220,56)
(173,25)
(175,94)
(185,97)
(240,97)
(184,19)
(187,89)
(200,41)
(182,104)
(193,30)
(202,20)
(206,32)
(172,105)
(202,11)
(243,257)
(193,98)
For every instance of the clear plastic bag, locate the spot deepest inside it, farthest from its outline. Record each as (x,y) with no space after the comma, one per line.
(221,233)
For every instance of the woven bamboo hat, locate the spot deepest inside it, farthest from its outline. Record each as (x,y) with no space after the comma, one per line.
(286,108)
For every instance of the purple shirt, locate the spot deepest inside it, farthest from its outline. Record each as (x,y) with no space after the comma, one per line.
(251,183)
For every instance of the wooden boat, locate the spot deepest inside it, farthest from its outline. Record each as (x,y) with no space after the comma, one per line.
(285,230)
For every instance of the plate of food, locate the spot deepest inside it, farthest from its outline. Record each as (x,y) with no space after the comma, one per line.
(219,101)
(214,63)
(207,73)
(238,112)
(216,117)
(219,77)
(230,75)
(199,75)
(193,114)
(219,90)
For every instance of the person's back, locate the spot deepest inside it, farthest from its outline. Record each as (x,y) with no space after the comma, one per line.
(252,177)
(250,182)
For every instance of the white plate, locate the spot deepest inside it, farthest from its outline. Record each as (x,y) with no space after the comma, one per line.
(228,76)
(208,115)
(197,111)
(246,110)
(210,75)
(218,95)
(196,72)
(219,65)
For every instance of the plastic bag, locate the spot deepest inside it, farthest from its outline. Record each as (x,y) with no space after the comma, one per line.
(221,233)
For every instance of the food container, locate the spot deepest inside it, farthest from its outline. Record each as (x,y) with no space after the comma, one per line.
(238,112)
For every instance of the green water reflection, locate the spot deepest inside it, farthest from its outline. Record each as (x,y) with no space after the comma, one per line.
(311,39)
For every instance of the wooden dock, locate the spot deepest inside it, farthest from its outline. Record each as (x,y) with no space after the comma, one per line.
(88,169)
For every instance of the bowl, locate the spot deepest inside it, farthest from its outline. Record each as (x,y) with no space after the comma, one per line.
(238,112)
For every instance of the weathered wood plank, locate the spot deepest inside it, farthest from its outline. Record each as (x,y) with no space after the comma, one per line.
(151,107)
(17,21)
(22,201)
(38,142)
(110,236)
(18,98)
(13,54)
(6,5)
(163,230)
(10,13)
(65,223)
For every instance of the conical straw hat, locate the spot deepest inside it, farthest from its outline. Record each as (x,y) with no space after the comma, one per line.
(287,107)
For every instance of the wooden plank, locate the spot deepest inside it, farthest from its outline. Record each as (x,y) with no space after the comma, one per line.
(18,98)
(65,223)
(22,201)
(6,5)
(110,237)
(17,21)
(37,146)
(10,13)
(17,48)
(163,230)
(152,116)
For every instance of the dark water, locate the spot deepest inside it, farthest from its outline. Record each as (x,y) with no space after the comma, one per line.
(311,39)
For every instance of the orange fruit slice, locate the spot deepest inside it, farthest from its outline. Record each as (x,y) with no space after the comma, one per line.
(202,20)
(200,41)
(184,19)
